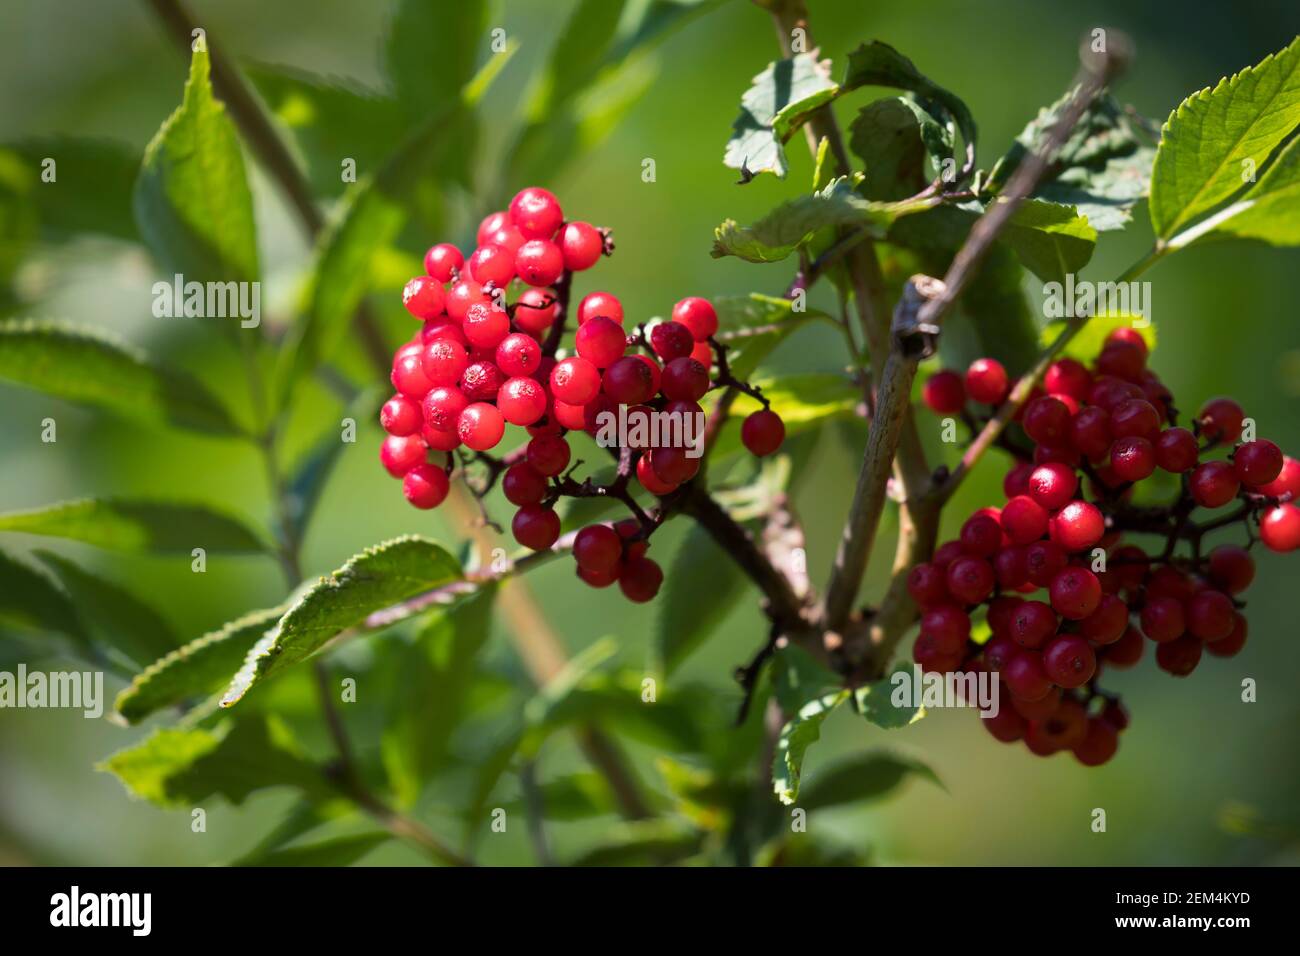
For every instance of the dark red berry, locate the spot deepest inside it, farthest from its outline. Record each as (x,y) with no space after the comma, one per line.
(548,454)
(640,579)
(1069,661)
(523,485)
(536,527)
(1078,526)
(1162,619)
(944,393)
(1257,462)
(1214,484)
(1221,420)
(672,340)
(762,431)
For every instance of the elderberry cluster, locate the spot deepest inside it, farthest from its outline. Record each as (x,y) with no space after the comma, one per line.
(488,355)
(1115,424)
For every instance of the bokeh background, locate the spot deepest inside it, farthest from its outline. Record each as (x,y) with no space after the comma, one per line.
(1201,778)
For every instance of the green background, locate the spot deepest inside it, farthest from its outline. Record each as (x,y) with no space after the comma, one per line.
(1195,755)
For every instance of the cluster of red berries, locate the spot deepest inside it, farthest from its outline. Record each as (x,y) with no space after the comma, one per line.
(1117,425)
(481,362)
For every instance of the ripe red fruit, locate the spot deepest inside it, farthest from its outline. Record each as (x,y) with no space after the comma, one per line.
(1044,560)
(944,393)
(1078,526)
(444,361)
(518,354)
(970,580)
(1090,432)
(423,297)
(998,652)
(1107,623)
(947,553)
(485,325)
(439,441)
(1176,450)
(1075,593)
(629,380)
(548,454)
(1209,615)
(1025,677)
(1232,568)
(762,431)
(1180,656)
(1002,612)
(1024,520)
(650,481)
(1052,485)
(1016,481)
(1221,420)
(536,527)
(408,375)
(1011,568)
(400,453)
(1214,484)
(1229,646)
(601,341)
(986,381)
(575,381)
(508,238)
(1047,421)
(1279,528)
(1286,483)
(673,465)
(442,408)
(425,486)
(462,294)
(597,547)
(481,381)
(1006,725)
(981,535)
(581,245)
(539,262)
(442,328)
(1136,418)
(684,379)
(1068,377)
(401,416)
(640,579)
(1099,744)
(480,426)
(927,585)
(490,224)
(1162,619)
(1258,462)
(1127,651)
(1132,458)
(442,260)
(672,340)
(698,316)
(536,212)
(929,653)
(1170,582)
(535,310)
(600,303)
(1032,623)
(521,400)
(1121,359)
(1069,661)
(949,624)
(523,485)
(492,263)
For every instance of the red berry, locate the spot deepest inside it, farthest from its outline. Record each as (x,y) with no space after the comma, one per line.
(401,416)
(408,375)
(492,263)
(442,408)
(926,583)
(930,654)
(1232,568)
(672,340)
(1002,612)
(944,393)
(1068,377)
(1047,421)
(480,426)
(762,431)
(598,548)
(425,486)
(1032,623)
(1024,520)
(1286,483)
(1044,559)
(442,328)
(1075,593)
(629,381)
(673,465)
(423,297)
(1016,481)
(1258,462)
(1052,485)
(1090,432)
(400,453)
(521,400)
(442,260)
(575,381)
(444,361)
(1135,418)
(569,416)
(481,381)
(1078,526)
(1279,528)
(698,316)
(1229,646)
(461,296)
(1127,651)
(581,244)
(600,303)
(508,238)
(522,485)
(1214,484)
(1069,661)
(1107,623)
(650,481)
(1221,420)
(535,310)
(490,224)
(1132,458)
(1130,336)
(536,212)
(998,652)
(548,454)
(601,341)
(1011,568)
(1025,676)
(1179,657)
(986,381)
(536,527)
(1162,619)
(640,579)
(949,624)
(1121,359)
(1176,450)
(485,325)
(1209,615)
(970,580)
(684,379)
(518,354)
(1099,743)
(439,441)
(539,262)
(1006,725)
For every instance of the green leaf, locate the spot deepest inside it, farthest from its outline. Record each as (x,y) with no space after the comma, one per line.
(123,620)
(642,843)
(1216,137)
(773,107)
(431,50)
(376,578)
(1103,168)
(895,137)
(578,796)
(862,778)
(700,589)
(875,701)
(1050,240)
(1269,211)
(1088,341)
(751,326)
(803,401)
(202,667)
(793,224)
(180,768)
(798,678)
(192,202)
(437,670)
(88,367)
(30,601)
(302,818)
(801,732)
(120,525)
(337,851)
(91,189)
(312,473)
(557,703)
(879,64)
